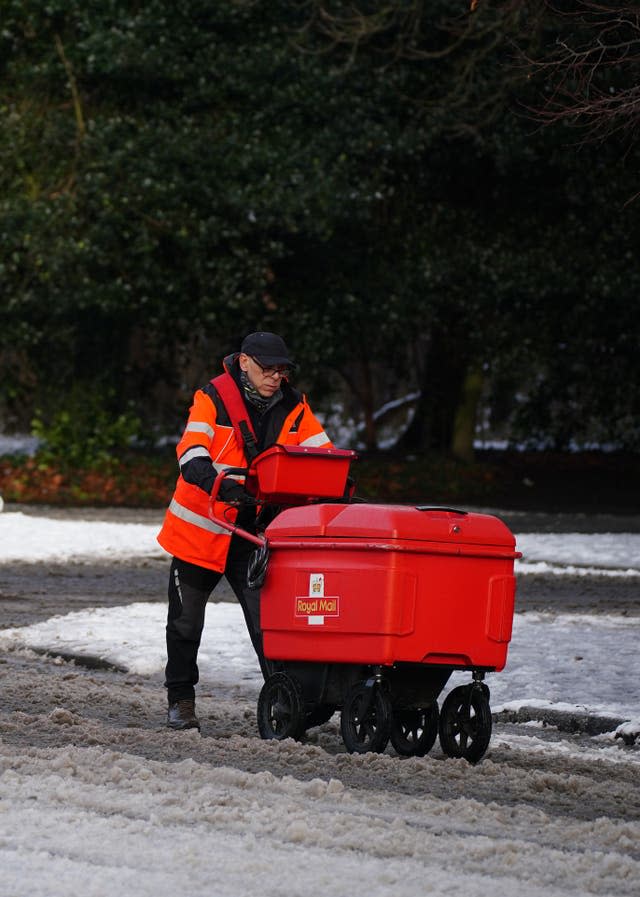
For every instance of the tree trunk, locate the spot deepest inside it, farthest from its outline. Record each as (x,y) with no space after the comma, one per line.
(368,406)
(464,425)
(432,426)
(360,381)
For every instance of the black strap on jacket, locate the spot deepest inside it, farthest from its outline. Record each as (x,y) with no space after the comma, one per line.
(229,392)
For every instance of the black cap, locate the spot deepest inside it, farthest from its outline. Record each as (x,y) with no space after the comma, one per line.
(268,348)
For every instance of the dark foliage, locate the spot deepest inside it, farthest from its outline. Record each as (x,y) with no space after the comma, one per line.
(174,174)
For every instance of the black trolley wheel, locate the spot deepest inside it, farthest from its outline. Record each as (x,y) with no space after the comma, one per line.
(465,723)
(414,731)
(365,720)
(280,711)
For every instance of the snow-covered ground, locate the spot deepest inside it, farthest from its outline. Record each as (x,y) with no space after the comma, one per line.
(236,816)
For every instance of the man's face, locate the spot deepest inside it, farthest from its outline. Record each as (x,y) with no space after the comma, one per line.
(265,379)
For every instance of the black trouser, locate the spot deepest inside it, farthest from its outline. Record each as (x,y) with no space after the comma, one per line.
(189,589)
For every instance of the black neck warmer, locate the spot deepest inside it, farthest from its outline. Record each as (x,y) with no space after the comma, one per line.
(251,394)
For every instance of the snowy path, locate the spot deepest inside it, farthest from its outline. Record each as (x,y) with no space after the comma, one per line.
(145,824)
(84,754)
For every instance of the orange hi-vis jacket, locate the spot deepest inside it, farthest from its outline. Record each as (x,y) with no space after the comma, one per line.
(188,532)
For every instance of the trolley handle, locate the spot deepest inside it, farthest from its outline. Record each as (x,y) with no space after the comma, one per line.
(220,521)
(441,508)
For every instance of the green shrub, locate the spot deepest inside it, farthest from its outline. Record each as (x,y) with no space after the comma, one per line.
(84,432)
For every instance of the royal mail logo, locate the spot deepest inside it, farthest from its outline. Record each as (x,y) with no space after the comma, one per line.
(316,605)
(310,606)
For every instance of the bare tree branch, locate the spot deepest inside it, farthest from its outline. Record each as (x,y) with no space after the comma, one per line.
(592,75)
(467,37)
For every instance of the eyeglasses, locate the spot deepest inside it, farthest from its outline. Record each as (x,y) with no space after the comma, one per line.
(271,371)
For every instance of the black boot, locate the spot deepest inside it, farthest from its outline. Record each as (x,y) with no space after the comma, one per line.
(182,715)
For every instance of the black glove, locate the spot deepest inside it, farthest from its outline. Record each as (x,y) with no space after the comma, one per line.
(232,492)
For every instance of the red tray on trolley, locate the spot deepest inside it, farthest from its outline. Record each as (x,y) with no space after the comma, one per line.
(288,474)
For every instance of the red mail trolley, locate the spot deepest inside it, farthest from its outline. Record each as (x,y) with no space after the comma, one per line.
(368,609)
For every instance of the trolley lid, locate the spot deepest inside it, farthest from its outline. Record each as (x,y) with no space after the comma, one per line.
(385,522)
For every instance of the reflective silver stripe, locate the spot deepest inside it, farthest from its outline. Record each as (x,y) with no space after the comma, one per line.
(233,476)
(319,439)
(199,426)
(198,451)
(196,519)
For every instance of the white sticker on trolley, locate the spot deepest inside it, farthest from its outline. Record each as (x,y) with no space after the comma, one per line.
(316,605)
